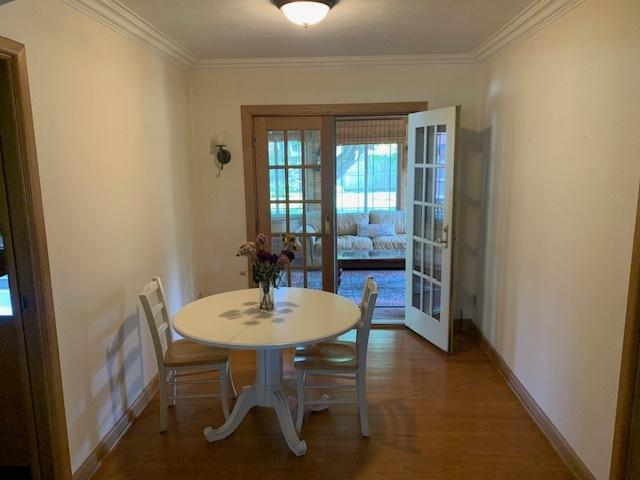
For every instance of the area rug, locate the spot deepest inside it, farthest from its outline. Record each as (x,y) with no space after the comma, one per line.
(390,282)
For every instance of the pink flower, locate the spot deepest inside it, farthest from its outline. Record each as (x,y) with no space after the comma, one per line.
(261,240)
(283,261)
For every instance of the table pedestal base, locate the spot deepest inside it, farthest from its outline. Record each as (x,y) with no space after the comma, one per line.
(267,391)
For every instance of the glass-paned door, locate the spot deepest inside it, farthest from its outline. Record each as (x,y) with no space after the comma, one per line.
(295,194)
(432,137)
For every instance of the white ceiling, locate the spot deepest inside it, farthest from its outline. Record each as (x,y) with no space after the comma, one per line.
(217,29)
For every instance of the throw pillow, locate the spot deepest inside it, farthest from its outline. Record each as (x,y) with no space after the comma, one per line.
(372,230)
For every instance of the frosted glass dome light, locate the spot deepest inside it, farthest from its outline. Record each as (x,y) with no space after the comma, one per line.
(305,12)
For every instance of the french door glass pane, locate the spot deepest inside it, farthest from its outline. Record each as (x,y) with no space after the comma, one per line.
(278,218)
(428,223)
(417,255)
(441,145)
(313,218)
(275,143)
(312,147)
(439,195)
(429,182)
(419,145)
(415,291)
(437,263)
(438,213)
(430,133)
(426,260)
(436,304)
(419,185)
(295,183)
(313,184)
(294,148)
(417,221)
(277,186)
(426,297)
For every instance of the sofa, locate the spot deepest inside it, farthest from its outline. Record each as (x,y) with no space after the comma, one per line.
(356,232)
(351,236)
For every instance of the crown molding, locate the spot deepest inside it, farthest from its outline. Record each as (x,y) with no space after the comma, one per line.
(530,21)
(333,62)
(120,19)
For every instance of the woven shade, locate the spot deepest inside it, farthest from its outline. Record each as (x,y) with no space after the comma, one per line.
(359,132)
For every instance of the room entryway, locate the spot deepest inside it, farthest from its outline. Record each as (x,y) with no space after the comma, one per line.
(366,190)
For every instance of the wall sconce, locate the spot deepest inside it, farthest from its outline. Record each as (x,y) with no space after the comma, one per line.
(216,141)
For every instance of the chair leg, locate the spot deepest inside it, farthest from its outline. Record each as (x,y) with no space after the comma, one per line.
(362,404)
(300,389)
(164,402)
(174,389)
(232,388)
(224,391)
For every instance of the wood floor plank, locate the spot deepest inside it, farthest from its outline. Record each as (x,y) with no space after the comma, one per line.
(431,416)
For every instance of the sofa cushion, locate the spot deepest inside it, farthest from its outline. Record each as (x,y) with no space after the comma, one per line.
(397,217)
(346,242)
(390,242)
(352,242)
(375,229)
(346,223)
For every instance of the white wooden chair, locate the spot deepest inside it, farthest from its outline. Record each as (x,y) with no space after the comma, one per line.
(181,358)
(339,359)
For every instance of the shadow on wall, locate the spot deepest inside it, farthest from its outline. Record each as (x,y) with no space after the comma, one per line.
(109,388)
(124,355)
(493,275)
(470,199)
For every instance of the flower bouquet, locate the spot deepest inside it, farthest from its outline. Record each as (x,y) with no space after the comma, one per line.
(266,267)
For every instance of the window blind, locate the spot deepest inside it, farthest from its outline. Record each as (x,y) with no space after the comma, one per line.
(373,131)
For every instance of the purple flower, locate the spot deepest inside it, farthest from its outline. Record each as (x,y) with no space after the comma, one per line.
(289,254)
(264,256)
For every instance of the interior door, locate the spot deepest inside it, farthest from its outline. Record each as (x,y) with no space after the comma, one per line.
(296,193)
(432,149)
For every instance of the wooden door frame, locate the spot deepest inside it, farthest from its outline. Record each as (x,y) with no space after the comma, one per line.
(250,112)
(628,389)
(34,284)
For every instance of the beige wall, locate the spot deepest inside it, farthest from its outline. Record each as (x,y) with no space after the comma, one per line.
(112,128)
(562,115)
(216,99)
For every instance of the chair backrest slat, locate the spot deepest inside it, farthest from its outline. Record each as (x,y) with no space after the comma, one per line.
(367,305)
(155,308)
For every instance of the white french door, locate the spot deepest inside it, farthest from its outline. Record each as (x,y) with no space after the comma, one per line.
(432,148)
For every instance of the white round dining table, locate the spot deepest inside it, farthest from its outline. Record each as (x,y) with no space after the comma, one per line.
(233,320)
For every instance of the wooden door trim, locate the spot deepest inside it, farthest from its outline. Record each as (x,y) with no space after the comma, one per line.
(249,112)
(35,283)
(627,391)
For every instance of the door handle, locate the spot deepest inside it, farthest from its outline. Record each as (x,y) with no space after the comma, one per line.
(444,242)
(327,226)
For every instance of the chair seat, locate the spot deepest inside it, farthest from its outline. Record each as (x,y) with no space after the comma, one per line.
(335,355)
(183,353)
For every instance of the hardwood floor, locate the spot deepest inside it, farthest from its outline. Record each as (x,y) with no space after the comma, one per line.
(431,416)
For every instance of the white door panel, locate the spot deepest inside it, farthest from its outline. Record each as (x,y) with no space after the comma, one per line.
(432,142)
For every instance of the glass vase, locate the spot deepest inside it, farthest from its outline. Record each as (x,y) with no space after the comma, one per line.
(266,299)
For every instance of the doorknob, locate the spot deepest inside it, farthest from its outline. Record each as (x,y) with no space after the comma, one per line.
(444,242)
(327,225)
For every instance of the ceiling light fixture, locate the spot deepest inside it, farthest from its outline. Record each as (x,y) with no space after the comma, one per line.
(305,12)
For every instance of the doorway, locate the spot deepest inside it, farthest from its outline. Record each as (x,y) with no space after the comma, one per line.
(33,436)
(370,189)
(291,156)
